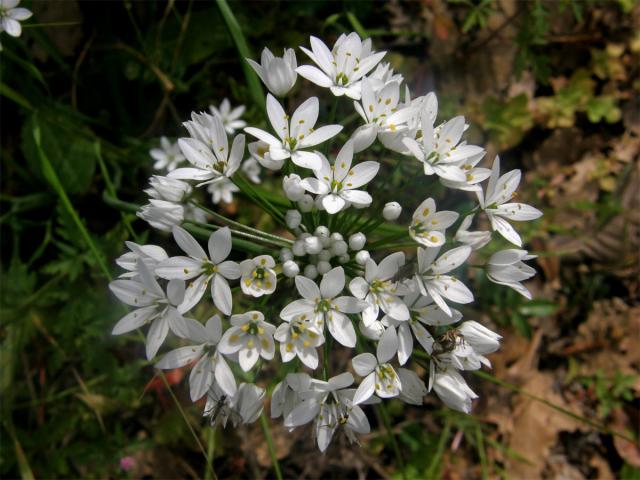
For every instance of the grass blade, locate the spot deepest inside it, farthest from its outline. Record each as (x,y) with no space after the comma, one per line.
(243,50)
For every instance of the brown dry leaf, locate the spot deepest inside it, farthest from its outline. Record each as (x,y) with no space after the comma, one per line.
(629,451)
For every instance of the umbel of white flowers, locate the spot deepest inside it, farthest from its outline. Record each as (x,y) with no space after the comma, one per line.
(337,282)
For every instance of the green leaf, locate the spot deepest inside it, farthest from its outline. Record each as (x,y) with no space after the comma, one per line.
(538,308)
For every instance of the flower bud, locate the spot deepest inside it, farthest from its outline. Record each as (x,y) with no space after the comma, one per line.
(298,248)
(312,245)
(344,258)
(292,188)
(336,237)
(323,267)
(169,189)
(391,211)
(362,256)
(322,231)
(357,241)
(290,269)
(293,219)
(325,254)
(305,204)
(277,73)
(479,337)
(339,248)
(286,254)
(310,271)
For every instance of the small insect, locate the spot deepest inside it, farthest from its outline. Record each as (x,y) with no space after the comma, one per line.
(448,340)
(215,410)
(343,418)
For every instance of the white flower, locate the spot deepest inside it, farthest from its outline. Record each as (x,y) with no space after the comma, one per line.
(299,337)
(452,389)
(251,168)
(222,190)
(153,306)
(330,405)
(379,290)
(202,268)
(286,394)
(475,240)
(342,68)
(379,376)
(337,184)
(259,150)
(169,189)
(250,337)
(162,214)
(293,219)
(10,17)
(277,73)
(168,156)
(230,118)
(479,337)
(432,281)
(473,175)
(383,117)
(428,226)
(391,211)
(440,150)
(210,160)
(383,75)
(506,268)
(500,190)
(243,408)
(295,133)
(258,276)
(322,306)
(413,389)
(151,255)
(210,365)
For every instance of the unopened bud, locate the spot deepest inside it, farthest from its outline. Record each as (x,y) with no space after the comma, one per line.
(391,211)
(357,241)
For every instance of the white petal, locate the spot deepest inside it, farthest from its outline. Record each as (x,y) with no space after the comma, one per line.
(314,75)
(180,357)
(364,364)
(341,329)
(194,292)
(307,288)
(224,376)
(387,345)
(247,358)
(451,259)
(221,294)
(365,389)
(310,160)
(405,343)
(333,203)
(264,136)
(219,245)
(332,283)
(182,268)
(304,412)
(155,336)
(200,378)
(505,229)
(359,287)
(320,135)
(295,308)
(134,319)
(517,211)
(188,244)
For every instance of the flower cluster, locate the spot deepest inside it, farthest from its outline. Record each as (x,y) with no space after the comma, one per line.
(332,276)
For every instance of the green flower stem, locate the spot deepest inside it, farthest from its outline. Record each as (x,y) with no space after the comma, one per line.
(264,423)
(228,221)
(205,228)
(111,189)
(52,177)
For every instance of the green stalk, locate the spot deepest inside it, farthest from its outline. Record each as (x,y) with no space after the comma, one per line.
(243,50)
(111,189)
(255,231)
(272,451)
(211,445)
(52,177)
